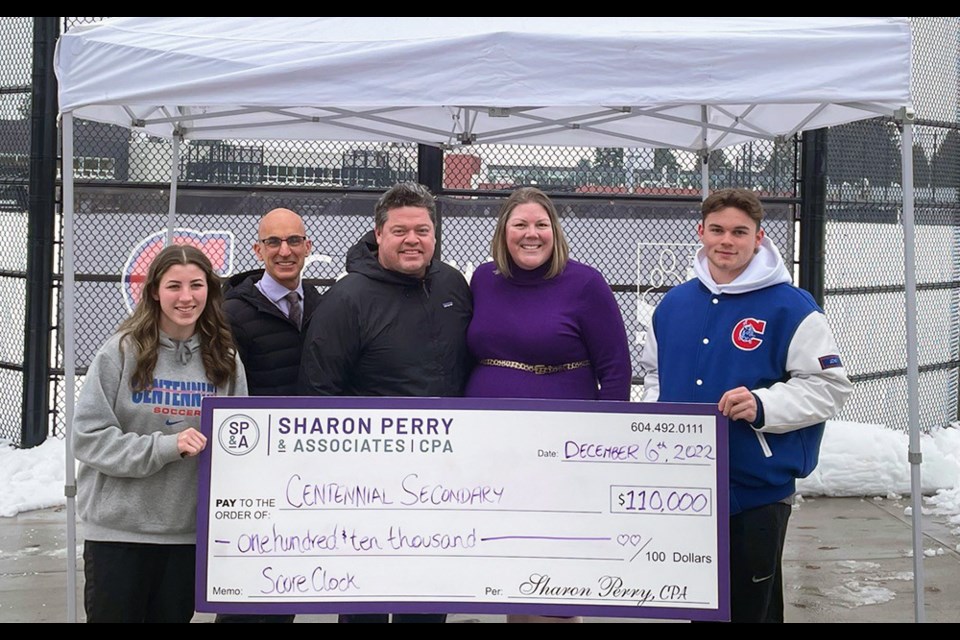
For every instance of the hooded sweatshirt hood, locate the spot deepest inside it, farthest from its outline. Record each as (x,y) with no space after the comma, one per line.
(183,350)
(765,270)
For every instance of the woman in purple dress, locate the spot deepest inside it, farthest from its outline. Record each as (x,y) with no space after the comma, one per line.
(544,326)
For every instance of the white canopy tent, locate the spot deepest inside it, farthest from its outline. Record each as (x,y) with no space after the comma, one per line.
(690,83)
(696,84)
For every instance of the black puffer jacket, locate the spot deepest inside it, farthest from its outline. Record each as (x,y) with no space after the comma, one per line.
(268,342)
(383,333)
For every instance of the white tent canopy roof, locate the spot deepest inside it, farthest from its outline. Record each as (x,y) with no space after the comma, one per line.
(685,83)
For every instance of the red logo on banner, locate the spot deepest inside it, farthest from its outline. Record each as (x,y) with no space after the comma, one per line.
(216,245)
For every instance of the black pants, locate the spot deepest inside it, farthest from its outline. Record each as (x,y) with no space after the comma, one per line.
(235,618)
(756,555)
(132,582)
(399,618)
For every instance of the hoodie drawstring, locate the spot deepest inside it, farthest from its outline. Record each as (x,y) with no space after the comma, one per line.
(182,352)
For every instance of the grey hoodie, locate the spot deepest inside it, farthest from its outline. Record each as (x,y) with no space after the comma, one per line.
(132,484)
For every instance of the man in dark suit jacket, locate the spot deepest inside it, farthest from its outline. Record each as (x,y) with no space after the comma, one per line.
(266,309)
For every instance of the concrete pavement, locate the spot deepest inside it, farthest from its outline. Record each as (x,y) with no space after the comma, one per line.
(847,560)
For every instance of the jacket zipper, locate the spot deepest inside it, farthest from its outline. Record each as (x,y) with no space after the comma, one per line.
(767,453)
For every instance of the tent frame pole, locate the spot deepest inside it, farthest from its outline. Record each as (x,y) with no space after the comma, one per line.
(69,366)
(905,118)
(174,180)
(704,157)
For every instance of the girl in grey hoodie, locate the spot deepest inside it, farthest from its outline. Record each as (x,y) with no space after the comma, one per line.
(136,434)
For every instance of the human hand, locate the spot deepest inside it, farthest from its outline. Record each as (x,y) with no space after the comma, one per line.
(190,442)
(739,404)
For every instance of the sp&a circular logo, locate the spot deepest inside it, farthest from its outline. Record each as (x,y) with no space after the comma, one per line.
(238,434)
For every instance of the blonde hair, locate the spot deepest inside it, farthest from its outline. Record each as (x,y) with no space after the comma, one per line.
(498,245)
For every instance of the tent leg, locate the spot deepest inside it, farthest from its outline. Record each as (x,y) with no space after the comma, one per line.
(704,177)
(174,178)
(913,386)
(704,158)
(69,365)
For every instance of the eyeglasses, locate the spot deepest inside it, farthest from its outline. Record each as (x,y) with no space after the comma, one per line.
(274,242)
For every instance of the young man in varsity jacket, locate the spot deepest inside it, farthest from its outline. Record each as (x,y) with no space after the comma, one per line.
(742,336)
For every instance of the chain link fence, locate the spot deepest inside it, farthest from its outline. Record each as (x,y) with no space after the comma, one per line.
(638,229)
(631,213)
(864,273)
(16,51)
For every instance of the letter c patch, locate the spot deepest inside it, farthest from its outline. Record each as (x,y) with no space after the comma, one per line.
(748,334)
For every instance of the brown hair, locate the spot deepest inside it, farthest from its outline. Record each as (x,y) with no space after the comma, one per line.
(142,328)
(498,245)
(404,194)
(743,199)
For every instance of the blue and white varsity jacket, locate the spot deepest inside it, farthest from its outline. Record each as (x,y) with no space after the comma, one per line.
(759,332)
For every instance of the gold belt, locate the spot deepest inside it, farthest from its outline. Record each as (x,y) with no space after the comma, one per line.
(539,369)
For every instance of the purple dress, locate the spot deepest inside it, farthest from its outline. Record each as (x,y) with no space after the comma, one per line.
(565,319)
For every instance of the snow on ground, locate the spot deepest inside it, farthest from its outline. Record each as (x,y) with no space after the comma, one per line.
(870,460)
(31,478)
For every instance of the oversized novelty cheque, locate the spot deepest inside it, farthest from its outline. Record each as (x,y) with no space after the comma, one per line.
(463,505)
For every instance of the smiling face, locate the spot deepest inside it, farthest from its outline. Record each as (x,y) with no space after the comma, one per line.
(182,295)
(730,238)
(283,263)
(529,235)
(407,240)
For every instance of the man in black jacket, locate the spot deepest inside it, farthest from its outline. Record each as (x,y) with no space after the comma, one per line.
(396,324)
(266,309)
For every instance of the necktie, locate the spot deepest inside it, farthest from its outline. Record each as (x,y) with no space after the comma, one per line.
(296,312)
